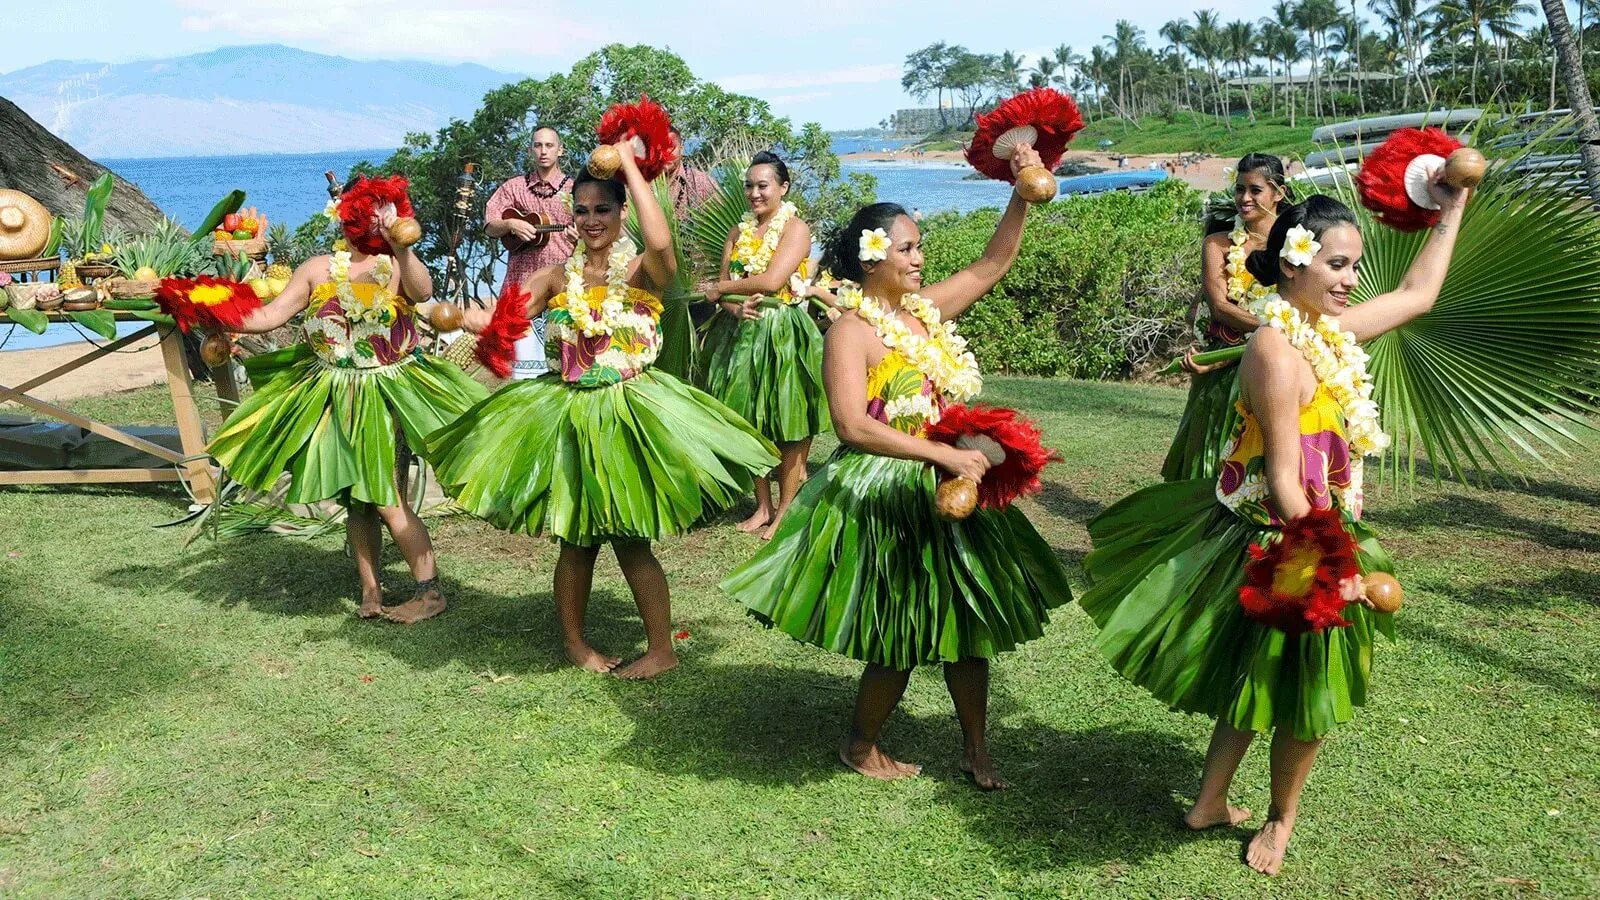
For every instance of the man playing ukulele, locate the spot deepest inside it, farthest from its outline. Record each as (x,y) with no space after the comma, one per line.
(546,191)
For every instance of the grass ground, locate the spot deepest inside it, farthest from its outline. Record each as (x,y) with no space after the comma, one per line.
(216,722)
(1188,132)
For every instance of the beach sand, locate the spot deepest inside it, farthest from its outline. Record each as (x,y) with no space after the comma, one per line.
(136,366)
(1205,174)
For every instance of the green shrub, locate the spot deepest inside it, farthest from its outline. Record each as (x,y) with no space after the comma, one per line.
(1100,287)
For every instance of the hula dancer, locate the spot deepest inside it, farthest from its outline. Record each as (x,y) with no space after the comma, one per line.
(862,565)
(763,357)
(1169,562)
(335,410)
(1230,292)
(606,449)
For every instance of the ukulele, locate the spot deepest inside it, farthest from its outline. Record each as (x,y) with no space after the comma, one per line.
(542,227)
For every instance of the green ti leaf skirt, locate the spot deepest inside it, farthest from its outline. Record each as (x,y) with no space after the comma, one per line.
(768,370)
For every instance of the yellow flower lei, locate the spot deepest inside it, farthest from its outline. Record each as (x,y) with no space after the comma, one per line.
(756,255)
(615,311)
(1243,289)
(942,357)
(382,309)
(1341,366)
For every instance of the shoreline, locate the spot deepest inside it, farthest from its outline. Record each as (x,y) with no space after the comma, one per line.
(1203,173)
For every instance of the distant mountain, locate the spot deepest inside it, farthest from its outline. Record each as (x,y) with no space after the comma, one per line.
(257,99)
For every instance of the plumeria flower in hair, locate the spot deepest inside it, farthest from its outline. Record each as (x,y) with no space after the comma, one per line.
(874,245)
(1300,246)
(332,209)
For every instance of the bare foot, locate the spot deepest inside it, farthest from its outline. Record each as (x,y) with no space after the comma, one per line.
(649,666)
(1266,850)
(978,767)
(1199,817)
(757,521)
(425,605)
(371,603)
(772,527)
(588,659)
(871,761)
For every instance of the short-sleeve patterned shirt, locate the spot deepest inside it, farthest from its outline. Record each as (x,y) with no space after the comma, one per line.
(523,194)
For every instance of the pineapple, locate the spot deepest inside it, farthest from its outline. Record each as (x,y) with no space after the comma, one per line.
(281,246)
(279,270)
(68,277)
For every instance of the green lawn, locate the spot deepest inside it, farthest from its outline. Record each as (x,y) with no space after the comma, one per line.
(1209,134)
(216,722)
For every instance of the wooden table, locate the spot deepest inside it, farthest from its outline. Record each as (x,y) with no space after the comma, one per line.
(191,465)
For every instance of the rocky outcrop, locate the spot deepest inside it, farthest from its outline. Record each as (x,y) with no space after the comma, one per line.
(38,163)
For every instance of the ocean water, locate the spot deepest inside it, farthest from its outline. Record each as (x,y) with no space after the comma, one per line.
(291,188)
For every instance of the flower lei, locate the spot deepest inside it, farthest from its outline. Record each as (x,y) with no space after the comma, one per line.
(382,309)
(1340,365)
(616,312)
(751,257)
(942,357)
(1243,289)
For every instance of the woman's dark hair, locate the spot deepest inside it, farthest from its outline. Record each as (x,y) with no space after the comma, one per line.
(1318,214)
(768,158)
(614,189)
(1220,217)
(843,256)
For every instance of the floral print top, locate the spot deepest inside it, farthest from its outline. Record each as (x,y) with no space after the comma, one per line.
(899,396)
(372,327)
(604,359)
(1330,476)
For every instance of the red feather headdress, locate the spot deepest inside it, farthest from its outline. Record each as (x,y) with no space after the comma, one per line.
(1025,453)
(358,211)
(508,324)
(1293,585)
(214,303)
(1052,114)
(647,122)
(1382,179)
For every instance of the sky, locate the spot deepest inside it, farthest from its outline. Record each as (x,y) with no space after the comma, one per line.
(836,62)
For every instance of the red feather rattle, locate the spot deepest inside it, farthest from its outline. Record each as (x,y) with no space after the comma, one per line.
(1294,584)
(509,323)
(361,209)
(213,305)
(1394,178)
(1014,448)
(647,126)
(1044,118)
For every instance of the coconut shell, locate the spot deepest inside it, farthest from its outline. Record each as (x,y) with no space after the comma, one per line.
(1465,168)
(445,317)
(24,225)
(956,498)
(1383,591)
(1035,184)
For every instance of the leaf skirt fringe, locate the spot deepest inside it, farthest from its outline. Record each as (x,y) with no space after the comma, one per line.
(335,431)
(862,566)
(768,370)
(1208,422)
(1165,572)
(637,460)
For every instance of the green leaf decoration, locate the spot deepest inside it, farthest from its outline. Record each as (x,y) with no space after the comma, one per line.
(100,321)
(31,319)
(228,204)
(94,210)
(160,318)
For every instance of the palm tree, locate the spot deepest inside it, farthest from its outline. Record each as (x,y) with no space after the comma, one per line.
(1065,61)
(1555,13)
(1404,20)
(1127,42)
(1315,17)
(1043,72)
(1008,72)
(1178,34)
(1240,40)
(1205,41)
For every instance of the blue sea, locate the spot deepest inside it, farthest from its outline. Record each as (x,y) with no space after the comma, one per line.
(291,188)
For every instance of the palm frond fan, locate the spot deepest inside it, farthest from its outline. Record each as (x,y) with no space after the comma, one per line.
(678,346)
(1042,117)
(1507,363)
(712,222)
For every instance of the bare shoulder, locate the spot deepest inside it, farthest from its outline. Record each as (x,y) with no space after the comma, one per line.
(1272,366)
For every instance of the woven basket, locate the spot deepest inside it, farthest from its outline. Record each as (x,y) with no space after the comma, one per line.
(94,271)
(38,264)
(127,289)
(255,248)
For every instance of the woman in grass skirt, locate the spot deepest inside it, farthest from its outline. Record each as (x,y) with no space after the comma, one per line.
(763,357)
(604,449)
(1229,291)
(862,565)
(1168,562)
(334,410)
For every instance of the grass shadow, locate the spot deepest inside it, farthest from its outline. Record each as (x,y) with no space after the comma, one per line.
(1482,514)
(1562,682)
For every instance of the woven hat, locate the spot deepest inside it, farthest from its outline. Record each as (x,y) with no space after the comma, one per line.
(24,225)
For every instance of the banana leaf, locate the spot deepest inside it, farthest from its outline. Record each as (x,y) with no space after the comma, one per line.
(94,210)
(52,247)
(150,315)
(1506,365)
(31,319)
(100,321)
(228,204)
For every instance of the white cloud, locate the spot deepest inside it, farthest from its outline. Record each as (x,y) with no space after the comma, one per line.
(747,84)
(489,29)
(796,99)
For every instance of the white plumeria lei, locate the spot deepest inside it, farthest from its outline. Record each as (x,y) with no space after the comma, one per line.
(1247,297)
(354,310)
(942,357)
(755,256)
(616,312)
(1340,365)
